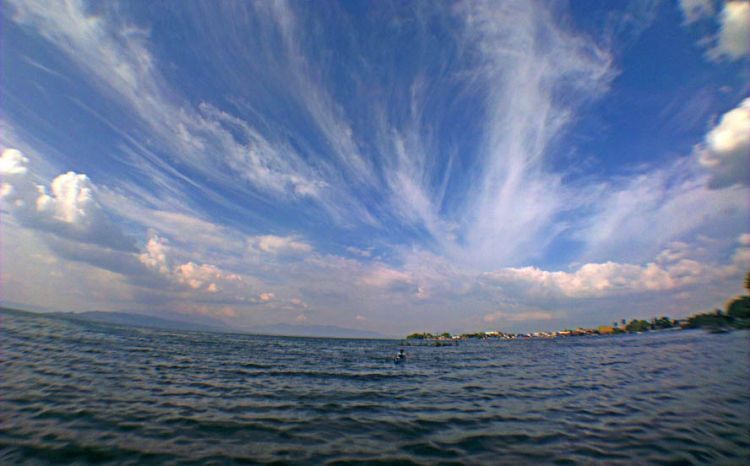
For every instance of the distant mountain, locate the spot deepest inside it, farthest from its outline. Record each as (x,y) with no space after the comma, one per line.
(141,320)
(314,331)
(212,324)
(14,306)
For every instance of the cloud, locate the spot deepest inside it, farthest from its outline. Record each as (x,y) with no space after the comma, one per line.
(384,277)
(121,262)
(733,41)
(298,303)
(725,152)
(695,10)
(521,316)
(202,277)
(673,269)
(634,217)
(155,256)
(13,163)
(526,59)
(447,165)
(359,252)
(592,280)
(69,207)
(117,59)
(281,245)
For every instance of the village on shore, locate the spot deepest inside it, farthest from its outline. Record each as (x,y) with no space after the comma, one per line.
(634,326)
(736,315)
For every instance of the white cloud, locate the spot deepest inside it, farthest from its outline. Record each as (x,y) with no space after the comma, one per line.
(384,277)
(633,218)
(726,150)
(202,277)
(68,209)
(13,162)
(117,59)
(694,10)
(672,270)
(283,245)
(71,199)
(525,58)
(733,41)
(188,228)
(517,60)
(592,280)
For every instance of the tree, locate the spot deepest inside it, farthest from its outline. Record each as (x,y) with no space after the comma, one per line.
(662,322)
(739,308)
(638,326)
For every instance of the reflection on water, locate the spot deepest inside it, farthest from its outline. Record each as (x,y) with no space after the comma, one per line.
(75,391)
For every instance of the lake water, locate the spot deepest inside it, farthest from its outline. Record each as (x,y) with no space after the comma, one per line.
(87,392)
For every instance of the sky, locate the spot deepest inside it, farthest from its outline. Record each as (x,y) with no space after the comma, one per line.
(386,166)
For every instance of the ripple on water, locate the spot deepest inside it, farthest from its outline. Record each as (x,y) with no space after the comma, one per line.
(81,392)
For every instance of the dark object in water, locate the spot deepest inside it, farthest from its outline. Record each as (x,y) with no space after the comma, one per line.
(718,329)
(400,357)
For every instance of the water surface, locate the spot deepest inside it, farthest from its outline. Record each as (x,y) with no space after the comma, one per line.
(89,392)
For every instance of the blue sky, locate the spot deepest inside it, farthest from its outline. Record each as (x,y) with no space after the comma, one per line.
(386,166)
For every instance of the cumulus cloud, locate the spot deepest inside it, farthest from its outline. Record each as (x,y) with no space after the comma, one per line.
(593,280)
(13,163)
(524,72)
(733,41)
(673,269)
(725,152)
(69,207)
(298,302)
(266,297)
(203,277)
(155,256)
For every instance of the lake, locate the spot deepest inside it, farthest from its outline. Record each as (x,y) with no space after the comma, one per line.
(74,391)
